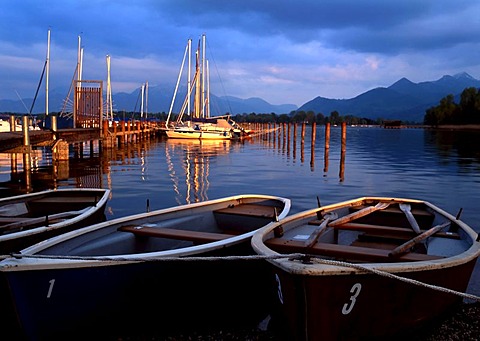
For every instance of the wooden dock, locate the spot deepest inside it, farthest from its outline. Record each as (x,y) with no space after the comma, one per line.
(109,136)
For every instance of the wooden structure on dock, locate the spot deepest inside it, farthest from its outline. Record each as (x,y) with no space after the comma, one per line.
(114,135)
(88,104)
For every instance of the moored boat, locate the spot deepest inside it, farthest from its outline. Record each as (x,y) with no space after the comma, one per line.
(159,271)
(199,124)
(368,268)
(29,218)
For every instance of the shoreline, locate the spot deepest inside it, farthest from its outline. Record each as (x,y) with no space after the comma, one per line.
(456,127)
(461,324)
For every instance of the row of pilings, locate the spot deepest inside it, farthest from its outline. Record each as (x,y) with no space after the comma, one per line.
(286,133)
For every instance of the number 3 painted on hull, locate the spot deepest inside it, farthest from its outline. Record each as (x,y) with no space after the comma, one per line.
(355,291)
(279,291)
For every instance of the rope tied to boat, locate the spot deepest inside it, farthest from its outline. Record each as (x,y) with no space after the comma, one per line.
(393,276)
(152,259)
(292,256)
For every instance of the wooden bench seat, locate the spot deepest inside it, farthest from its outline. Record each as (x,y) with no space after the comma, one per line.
(347,252)
(394,216)
(66,199)
(38,221)
(8,220)
(386,231)
(254,210)
(188,235)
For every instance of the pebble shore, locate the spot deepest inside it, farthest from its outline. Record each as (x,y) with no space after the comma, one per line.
(461,324)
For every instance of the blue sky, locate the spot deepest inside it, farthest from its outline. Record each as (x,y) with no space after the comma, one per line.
(284,51)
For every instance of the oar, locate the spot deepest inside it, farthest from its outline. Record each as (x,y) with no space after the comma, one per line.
(318,231)
(363,212)
(406,208)
(319,214)
(407,245)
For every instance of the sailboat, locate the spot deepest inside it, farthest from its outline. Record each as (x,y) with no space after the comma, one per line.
(199,124)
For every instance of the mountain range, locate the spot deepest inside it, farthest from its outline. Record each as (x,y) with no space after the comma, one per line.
(403,100)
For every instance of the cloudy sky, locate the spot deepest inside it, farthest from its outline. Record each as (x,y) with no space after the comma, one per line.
(284,51)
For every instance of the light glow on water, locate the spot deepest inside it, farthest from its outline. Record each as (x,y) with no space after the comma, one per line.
(442,167)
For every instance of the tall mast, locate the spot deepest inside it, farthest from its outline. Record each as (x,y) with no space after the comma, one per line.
(141,103)
(79,60)
(203,75)
(109,92)
(189,48)
(207,106)
(77,83)
(48,72)
(146,99)
(187,51)
(198,100)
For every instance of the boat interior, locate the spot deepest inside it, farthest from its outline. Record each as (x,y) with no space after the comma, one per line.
(43,211)
(168,231)
(373,232)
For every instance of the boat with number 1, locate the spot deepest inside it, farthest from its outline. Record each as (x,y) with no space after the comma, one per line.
(160,271)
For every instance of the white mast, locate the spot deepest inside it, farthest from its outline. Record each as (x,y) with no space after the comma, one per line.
(189,48)
(79,60)
(79,77)
(141,103)
(109,115)
(48,72)
(81,65)
(207,114)
(146,99)
(203,75)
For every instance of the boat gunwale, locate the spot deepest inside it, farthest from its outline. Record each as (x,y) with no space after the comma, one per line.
(32,263)
(92,209)
(322,269)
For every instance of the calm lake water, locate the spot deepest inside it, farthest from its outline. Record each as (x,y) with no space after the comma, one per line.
(442,167)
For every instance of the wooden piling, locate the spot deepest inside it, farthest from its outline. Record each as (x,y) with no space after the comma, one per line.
(343,151)
(327,147)
(294,140)
(314,133)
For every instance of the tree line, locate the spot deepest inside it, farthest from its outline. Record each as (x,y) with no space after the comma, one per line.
(294,116)
(449,112)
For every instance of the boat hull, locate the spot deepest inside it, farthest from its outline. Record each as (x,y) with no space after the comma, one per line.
(359,270)
(198,134)
(134,275)
(154,298)
(361,307)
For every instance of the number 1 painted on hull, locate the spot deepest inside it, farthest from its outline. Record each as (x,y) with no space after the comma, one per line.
(50,288)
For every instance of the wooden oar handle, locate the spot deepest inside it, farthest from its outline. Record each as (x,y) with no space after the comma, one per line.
(316,234)
(407,245)
(363,212)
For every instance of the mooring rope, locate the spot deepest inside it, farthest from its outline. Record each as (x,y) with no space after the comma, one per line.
(393,276)
(292,256)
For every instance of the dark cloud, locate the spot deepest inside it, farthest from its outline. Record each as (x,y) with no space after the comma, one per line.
(300,47)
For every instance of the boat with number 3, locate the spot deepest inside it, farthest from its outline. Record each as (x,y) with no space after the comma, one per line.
(366,268)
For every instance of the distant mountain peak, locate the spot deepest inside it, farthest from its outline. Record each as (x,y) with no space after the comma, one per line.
(404,100)
(402,81)
(462,75)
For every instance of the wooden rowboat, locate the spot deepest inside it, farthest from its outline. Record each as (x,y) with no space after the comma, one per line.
(29,218)
(160,271)
(368,269)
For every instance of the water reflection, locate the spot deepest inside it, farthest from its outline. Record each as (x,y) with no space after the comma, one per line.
(463,146)
(194,157)
(415,153)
